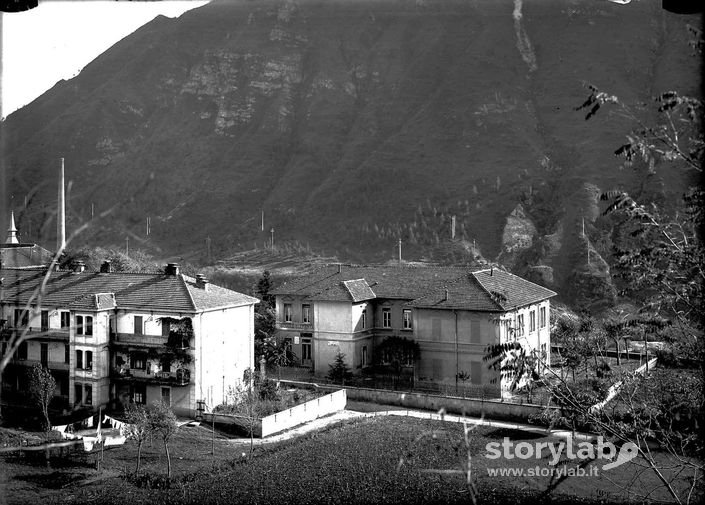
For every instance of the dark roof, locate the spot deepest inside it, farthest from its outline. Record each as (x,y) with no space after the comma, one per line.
(491,290)
(394,282)
(23,255)
(140,291)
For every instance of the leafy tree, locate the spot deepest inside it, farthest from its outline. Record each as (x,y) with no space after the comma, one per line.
(659,260)
(138,427)
(163,422)
(265,320)
(397,352)
(41,388)
(248,400)
(339,371)
(93,258)
(515,364)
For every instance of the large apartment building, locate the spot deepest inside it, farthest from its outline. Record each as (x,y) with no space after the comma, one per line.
(112,337)
(452,313)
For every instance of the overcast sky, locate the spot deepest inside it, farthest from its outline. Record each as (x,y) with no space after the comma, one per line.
(57,39)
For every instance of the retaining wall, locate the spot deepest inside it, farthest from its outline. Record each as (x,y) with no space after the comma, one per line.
(494,409)
(280,421)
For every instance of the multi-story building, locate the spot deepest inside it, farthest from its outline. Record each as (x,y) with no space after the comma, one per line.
(451,313)
(111,337)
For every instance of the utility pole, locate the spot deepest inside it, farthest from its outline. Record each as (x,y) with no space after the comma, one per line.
(452,228)
(148,226)
(400,251)
(272,233)
(262,219)
(127,246)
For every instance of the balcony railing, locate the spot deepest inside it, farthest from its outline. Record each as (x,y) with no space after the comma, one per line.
(37,332)
(139,340)
(179,377)
(292,325)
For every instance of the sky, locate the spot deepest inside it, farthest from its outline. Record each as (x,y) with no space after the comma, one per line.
(58,38)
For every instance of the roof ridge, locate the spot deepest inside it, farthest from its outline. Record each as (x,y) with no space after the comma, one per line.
(489,293)
(188,291)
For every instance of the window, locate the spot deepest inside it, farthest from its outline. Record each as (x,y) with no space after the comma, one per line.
(45,320)
(79,360)
(166,327)
(139,394)
(138,361)
(67,353)
(542,317)
(520,325)
(78,392)
(89,360)
(89,325)
(138,325)
(406,319)
(79,325)
(22,351)
(287,312)
(364,355)
(65,320)
(363,319)
(88,399)
(386,318)
(21,318)
(532,321)
(306,313)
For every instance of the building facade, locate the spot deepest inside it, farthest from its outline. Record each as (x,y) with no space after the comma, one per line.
(451,313)
(109,337)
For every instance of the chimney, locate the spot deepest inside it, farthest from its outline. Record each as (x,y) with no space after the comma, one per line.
(491,271)
(61,213)
(172,269)
(340,268)
(79,266)
(106,267)
(202,282)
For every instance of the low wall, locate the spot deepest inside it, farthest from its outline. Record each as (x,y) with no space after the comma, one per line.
(312,409)
(280,421)
(494,409)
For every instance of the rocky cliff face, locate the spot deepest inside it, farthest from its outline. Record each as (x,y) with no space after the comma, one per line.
(351,124)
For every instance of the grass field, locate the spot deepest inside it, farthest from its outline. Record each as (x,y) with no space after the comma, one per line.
(387,460)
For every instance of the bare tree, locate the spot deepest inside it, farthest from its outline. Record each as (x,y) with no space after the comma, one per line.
(41,387)
(163,422)
(138,427)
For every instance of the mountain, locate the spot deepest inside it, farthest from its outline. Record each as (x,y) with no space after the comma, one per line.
(353,124)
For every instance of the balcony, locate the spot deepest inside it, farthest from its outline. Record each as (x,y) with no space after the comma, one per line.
(37,333)
(291,325)
(133,339)
(179,377)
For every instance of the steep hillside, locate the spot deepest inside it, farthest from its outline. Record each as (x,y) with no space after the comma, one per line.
(351,124)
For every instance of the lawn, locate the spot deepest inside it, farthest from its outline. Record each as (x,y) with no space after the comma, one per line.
(367,461)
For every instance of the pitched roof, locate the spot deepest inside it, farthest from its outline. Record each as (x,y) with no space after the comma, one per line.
(142,291)
(491,290)
(393,282)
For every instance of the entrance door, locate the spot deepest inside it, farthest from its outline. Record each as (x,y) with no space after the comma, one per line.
(45,355)
(306,350)
(166,396)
